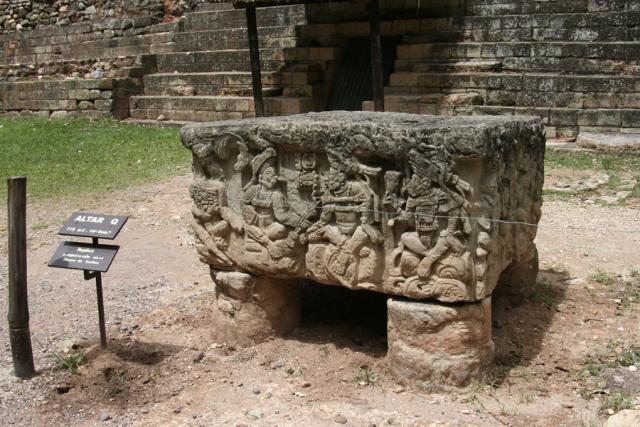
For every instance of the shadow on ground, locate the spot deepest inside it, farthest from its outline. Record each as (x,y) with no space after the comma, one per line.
(522,319)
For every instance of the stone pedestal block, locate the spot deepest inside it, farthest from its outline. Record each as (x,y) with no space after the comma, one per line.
(434,346)
(250,309)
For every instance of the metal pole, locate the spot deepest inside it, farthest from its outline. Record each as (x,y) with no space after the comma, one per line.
(19,334)
(376,55)
(254,53)
(103,330)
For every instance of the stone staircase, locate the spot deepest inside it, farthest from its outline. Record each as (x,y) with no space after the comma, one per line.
(577,68)
(208,76)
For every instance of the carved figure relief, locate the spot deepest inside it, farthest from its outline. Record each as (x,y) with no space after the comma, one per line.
(345,214)
(344,241)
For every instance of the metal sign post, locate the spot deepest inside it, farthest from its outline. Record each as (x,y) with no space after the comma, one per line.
(92,258)
(98,276)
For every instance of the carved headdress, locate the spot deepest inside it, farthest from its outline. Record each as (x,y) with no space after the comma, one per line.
(259,162)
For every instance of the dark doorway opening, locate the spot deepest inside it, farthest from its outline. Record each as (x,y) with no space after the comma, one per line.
(346,318)
(353,82)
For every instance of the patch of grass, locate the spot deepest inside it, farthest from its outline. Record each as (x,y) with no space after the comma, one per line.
(366,376)
(615,355)
(586,161)
(580,161)
(62,157)
(559,195)
(618,402)
(543,294)
(602,277)
(608,163)
(636,190)
(593,365)
(629,356)
(71,362)
(614,181)
(630,292)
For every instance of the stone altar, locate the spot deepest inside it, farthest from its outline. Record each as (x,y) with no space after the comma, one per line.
(426,209)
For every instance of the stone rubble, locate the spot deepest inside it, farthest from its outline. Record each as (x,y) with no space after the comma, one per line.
(24,15)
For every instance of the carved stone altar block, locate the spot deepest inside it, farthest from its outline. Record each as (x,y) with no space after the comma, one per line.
(429,208)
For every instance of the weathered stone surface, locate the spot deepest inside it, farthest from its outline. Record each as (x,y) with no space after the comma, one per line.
(251,309)
(614,142)
(395,203)
(434,345)
(626,418)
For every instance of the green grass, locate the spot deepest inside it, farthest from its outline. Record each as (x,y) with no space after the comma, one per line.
(589,161)
(612,165)
(617,402)
(602,277)
(63,157)
(365,376)
(616,355)
(71,362)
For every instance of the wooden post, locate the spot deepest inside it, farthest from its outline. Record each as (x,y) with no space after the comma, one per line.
(254,53)
(376,55)
(19,334)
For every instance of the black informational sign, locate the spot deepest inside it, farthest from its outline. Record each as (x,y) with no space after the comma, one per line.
(87,224)
(84,256)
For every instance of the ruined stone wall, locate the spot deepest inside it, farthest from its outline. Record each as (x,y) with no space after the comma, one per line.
(87,98)
(23,15)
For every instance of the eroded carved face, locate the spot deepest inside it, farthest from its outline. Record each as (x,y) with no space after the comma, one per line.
(417,186)
(308,161)
(268,177)
(336,180)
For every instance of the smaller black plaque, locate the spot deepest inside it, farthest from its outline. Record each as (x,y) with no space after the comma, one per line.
(87,224)
(84,256)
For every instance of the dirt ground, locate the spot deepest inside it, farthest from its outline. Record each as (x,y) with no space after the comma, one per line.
(566,354)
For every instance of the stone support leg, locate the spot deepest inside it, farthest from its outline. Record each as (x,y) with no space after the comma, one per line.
(250,309)
(436,346)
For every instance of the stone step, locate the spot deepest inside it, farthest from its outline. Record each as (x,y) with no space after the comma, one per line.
(234,38)
(568,121)
(210,7)
(217,84)
(433,103)
(526,90)
(206,108)
(427,30)
(611,142)
(517,81)
(236,18)
(479,50)
(558,121)
(218,60)
(451,66)
(586,58)
(586,26)
(517,7)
